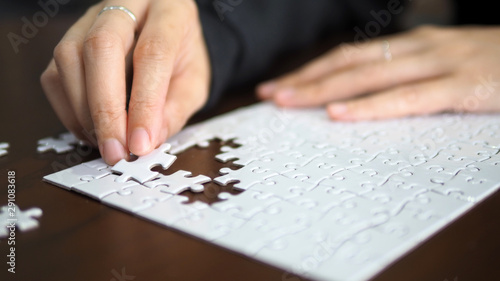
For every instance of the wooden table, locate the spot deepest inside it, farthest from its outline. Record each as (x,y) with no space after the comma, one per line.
(82,239)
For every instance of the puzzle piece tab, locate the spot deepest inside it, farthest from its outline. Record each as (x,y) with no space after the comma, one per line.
(76,175)
(246,176)
(135,198)
(246,204)
(140,169)
(103,186)
(171,210)
(179,182)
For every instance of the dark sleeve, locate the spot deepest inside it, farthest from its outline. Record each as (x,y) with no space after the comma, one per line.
(476,12)
(243,37)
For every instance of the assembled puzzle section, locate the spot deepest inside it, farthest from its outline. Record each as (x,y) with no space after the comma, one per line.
(321,199)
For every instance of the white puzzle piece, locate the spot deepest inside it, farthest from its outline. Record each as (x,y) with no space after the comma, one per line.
(76,175)
(3,148)
(97,164)
(208,223)
(277,220)
(64,143)
(283,187)
(103,186)
(246,204)
(245,176)
(14,217)
(169,211)
(135,198)
(140,169)
(243,155)
(178,182)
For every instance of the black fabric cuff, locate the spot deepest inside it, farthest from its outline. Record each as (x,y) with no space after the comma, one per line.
(224,51)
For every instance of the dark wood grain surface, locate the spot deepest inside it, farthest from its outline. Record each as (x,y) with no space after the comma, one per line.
(81,239)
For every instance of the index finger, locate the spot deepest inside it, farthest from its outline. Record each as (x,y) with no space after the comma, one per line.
(105,48)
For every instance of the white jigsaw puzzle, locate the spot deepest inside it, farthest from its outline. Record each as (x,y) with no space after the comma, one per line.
(12,217)
(76,175)
(321,199)
(64,143)
(246,176)
(178,182)
(140,169)
(3,148)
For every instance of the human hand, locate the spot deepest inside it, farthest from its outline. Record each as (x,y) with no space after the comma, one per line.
(432,70)
(86,81)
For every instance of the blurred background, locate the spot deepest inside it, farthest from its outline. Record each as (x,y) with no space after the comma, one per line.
(19,8)
(23,58)
(422,11)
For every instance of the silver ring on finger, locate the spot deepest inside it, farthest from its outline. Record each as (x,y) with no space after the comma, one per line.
(119,8)
(386,47)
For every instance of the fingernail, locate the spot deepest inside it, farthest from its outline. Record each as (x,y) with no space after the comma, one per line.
(286,94)
(139,142)
(113,151)
(266,89)
(338,109)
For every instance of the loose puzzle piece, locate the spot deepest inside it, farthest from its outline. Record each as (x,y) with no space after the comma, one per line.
(64,143)
(14,217)
(178,182)
(140,169)
(3,148)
